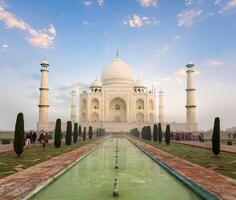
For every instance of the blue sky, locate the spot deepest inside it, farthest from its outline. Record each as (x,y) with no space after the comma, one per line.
(155,37)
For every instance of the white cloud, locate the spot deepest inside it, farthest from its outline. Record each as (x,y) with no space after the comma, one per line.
(177,37)
(214,62)
(216,2)
(5,46)
(147,3)
(187,17)
(219,84)
(230,5)
(137,21)
(88,2)
(86,23)
(188,2)
(40,38)
(100,2)
(163,50)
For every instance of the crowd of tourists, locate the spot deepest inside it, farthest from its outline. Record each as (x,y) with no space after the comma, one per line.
(31,137)
(180,136)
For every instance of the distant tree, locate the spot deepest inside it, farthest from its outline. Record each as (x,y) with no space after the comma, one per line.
(149,133)
(80,131)
(84,134)
(159,133)
(155,132)
(90,132)
(142,133)
(75,134)
(167,135)
(19,135)
(216,137)
(57,136)
(68,133)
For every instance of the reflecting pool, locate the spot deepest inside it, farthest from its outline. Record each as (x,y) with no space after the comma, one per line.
(138,177)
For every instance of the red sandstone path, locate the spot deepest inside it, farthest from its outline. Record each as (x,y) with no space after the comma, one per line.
(208,144)
(20,184)
(222,186)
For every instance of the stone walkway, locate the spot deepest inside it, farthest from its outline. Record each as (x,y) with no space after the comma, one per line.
(222,186)
(20,184)
(208,144)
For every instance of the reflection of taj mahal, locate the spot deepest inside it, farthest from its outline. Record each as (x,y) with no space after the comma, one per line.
(117,102)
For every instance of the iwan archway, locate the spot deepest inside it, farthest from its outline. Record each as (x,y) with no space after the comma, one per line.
(117,110)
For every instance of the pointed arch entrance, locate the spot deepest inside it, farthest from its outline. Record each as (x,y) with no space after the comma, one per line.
(117,110)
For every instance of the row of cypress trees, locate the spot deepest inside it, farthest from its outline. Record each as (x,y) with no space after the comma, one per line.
(157,133)
(100,132)
(68,138)
(19,141)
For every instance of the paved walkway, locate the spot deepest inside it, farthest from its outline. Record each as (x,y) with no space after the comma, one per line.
(222,186)
(208,144)
(20,184)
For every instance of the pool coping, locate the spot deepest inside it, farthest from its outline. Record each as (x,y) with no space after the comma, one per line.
(53,178)
(27,183)
(198,189)
(50,180)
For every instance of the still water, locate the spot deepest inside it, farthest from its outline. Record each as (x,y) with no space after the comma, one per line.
(138,177)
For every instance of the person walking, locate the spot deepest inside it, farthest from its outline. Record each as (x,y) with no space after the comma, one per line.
(27,140)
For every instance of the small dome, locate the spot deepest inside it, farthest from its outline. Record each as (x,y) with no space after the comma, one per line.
(139,83)
(96,83)
(117,72)
(44,62)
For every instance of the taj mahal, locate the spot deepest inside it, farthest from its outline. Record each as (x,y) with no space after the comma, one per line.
(117,102)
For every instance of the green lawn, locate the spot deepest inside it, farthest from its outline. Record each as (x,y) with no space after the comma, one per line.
(225,163)
(9,164)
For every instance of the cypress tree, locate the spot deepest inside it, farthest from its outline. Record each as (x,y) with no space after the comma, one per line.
(167,135)
(216,137)
(90,133)
(155,132)
(19,135)
(84,134)
(149,133)
(57,137)
(142,133)
(80,132)
(75,134)
(68,133)
(159,133)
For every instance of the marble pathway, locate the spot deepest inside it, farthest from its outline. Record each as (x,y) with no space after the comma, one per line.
(222,186)
(20,184)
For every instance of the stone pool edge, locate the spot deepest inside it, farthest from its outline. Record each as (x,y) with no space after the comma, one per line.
(198,189)
(53,178)
(47,182)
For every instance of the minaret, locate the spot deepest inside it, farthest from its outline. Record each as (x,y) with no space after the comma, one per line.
(161,106)
(73,106)
(43,101)
(190,105)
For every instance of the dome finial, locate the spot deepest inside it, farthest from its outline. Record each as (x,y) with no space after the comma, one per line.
(117,53)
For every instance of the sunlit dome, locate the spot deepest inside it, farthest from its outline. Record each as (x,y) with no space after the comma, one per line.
(45,62)
(139,83)
(96,83)
(117,72)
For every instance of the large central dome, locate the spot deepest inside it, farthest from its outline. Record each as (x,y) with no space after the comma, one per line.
(117,72)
